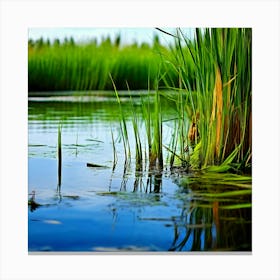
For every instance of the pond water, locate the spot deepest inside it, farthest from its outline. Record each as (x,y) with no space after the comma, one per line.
(117,208)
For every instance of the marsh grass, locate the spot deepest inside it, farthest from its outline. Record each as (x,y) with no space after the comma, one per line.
(156,156)
(123,128)
(210,77)
(59,155)
(136,127)
(87,66)
(114,151)
(218,103)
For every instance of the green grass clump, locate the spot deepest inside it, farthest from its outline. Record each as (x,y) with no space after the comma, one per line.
(218,103)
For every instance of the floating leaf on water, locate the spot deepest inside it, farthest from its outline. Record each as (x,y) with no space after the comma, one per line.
(96,165)
(168,225)
(36,145)
(94,140)
(107,193)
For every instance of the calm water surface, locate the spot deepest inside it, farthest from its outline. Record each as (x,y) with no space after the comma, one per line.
(115,209)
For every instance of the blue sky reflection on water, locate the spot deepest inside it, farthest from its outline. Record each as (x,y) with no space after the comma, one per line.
(128,35)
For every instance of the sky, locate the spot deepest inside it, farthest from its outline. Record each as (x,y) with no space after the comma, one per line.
(128,35)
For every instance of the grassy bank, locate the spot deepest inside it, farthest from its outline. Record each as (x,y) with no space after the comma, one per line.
(70,66)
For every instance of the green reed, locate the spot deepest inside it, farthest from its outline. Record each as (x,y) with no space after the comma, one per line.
(123,127)
(138,145)
(218,103)
(59,155)
(114,151)
(87,66)
(156,157)
(147,117)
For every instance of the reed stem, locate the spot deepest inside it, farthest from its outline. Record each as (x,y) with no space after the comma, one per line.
(59,155)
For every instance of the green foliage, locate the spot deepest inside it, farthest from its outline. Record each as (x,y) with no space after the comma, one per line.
(210,179)
(211,76)
(123,127)
(215,72)
(59,155)
(195,160)
(71,66)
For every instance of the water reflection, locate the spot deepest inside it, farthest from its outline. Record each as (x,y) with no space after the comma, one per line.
(196,223)
(204,229)
(33,205)
(124,207)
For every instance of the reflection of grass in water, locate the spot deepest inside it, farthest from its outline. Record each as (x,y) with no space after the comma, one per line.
(213,218)
(133,199)
(212,228)
(212,178)
(214,199)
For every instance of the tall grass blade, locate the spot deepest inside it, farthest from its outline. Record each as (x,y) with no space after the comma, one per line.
(114,152)
(123,127)
(219,105)
(59,156)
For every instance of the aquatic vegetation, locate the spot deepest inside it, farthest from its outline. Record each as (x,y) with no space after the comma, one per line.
(212,228)
(215,179)
(59,156)
(214,203)
(219,102)
(170,209)
(89,164)
(211,76)
(87,66)
(114,152)
(123,127)
(184,145)
(155,154)
(33,205)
